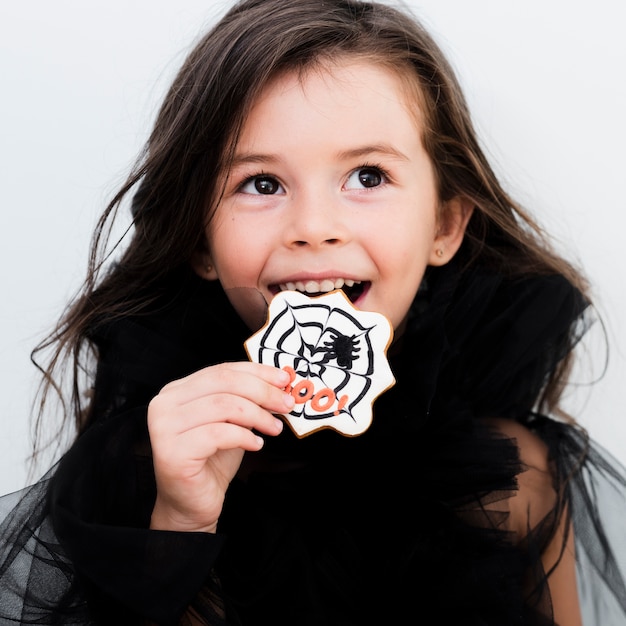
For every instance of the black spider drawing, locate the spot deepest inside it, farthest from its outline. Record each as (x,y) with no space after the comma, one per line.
(341,348)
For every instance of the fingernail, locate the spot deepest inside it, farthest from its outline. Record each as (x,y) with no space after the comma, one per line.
(279,425)
(284,378)
(289,400)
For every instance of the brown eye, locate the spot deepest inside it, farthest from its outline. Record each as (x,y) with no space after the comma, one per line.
(261,185)
(365,178)
(370,177)
(266,185)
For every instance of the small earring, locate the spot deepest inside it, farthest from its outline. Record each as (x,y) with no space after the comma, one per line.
(439,252)
(209,268)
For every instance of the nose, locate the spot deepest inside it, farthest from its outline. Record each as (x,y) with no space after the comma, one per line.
(316,220)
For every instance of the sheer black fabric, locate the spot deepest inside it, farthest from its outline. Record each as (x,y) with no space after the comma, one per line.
(408,518)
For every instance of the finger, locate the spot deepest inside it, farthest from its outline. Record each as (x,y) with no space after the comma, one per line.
(243,382)
(222,377)
(190,451)
(218,407)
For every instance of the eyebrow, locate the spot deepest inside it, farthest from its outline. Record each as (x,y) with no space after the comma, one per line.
(379,148)
(242,159)
(352,153)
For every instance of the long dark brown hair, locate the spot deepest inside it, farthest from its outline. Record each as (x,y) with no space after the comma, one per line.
(176,179)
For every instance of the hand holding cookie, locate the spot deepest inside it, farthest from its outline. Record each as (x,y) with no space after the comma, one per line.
(199,428)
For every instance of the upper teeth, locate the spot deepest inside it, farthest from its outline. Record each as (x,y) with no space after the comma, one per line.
(314,286)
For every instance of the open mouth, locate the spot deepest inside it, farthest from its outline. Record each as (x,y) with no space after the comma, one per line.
(352,288)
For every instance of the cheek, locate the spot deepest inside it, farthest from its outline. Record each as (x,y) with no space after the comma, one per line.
(237,252)
(408,241)
(239,256)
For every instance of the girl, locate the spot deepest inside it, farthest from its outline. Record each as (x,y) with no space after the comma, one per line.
(328,143)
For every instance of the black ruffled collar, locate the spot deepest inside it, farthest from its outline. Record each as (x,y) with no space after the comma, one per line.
(474,339)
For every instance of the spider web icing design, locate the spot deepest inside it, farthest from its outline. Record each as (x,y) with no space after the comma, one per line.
(335,354)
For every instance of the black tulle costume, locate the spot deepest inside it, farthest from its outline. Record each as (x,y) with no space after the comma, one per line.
(405,524)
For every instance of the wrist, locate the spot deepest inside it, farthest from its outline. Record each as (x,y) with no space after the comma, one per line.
(163,518)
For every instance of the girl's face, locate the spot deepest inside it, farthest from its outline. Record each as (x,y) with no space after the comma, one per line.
(331,187)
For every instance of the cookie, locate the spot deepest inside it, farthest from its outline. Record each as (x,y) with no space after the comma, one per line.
(336,356)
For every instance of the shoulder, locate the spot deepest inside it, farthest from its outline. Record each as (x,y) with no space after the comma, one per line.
(533,450)
(536,496)
(538,515)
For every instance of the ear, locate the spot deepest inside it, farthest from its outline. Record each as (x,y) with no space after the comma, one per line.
(453,219)
(203,265)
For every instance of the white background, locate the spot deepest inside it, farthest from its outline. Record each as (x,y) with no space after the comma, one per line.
(80,82)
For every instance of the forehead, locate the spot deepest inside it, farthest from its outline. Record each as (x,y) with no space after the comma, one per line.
(343,85)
